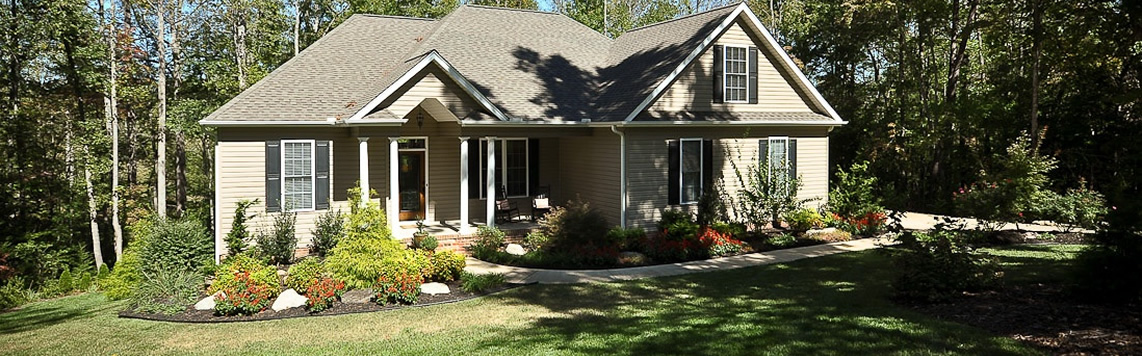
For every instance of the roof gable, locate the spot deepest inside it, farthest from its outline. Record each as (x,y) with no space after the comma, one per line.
(426,73)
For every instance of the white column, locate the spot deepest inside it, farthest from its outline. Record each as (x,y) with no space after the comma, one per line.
(490,184)
(363,145)
(464,224)
(394,199)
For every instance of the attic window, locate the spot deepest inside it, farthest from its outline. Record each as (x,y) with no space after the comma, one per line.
(736,75)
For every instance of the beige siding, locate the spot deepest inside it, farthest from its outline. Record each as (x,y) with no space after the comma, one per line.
(589,169)
(693,91)
(647,166)
(431,83)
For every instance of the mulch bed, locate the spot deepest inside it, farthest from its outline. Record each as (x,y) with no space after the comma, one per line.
(1044,316)
(339,308)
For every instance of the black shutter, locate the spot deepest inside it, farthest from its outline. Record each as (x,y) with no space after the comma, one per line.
(792,159)
(273,176)
(532,166)
(675,172)
(763,151)
(719,63)
(321,174)
(707,165)
(474,172)
(752,86)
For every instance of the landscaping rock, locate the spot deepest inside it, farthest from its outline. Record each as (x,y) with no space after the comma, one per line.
(205,304)
(282,273)
(515,249)
(358,296)
(434,288)
(289,299)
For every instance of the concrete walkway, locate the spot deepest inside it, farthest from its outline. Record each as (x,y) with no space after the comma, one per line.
(921,221)
(552,276)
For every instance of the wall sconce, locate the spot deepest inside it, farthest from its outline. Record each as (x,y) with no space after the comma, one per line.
(420,119)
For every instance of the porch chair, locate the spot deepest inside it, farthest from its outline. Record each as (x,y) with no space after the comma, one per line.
(541,203)
(506,210)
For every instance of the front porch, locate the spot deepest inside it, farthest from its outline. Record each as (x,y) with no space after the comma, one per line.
(449,234)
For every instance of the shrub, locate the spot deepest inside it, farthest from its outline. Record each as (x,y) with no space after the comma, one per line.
(13,293)
(66,283)
(936,266)
(732,229)
(427,243)
(1110,270)
(330,228)
(399,287)
(245,296)
(626,238)
(124,278)
(803,219)
(446,266)
(176,245)
(576,224)
(535,240)
(278,246)
(478,283)
(366,221)
(322,293)
(237,271)
(304,273)
(865,225)
(664,249)
(357,260)
(236,239)
(719,244)
(671,216)
(488,242)
(782,240)
(767,193)
(853,194)
(167,291)
(1080,207)
(710,206)
(1011,191)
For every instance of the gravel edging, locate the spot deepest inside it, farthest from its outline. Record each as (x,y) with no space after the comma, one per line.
(301,313)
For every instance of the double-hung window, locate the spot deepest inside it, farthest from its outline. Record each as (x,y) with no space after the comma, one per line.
(736,75)
(690,169)
(511,170)
(297,175)
(779,156)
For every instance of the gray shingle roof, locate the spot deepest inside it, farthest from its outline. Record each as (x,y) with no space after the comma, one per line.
(532,65)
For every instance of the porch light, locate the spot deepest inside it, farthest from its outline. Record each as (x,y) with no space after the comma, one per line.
(420,119)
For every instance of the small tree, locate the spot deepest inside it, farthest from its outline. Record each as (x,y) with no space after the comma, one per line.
(1014,189)
(278,246)
(853,196)
(769,194)
(238,235)
(329,230)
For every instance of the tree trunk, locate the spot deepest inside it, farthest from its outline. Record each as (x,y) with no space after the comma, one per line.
(161,150)
(240,47)
(296,27)
(1036,53)
(176,26)
(113,120)
(93,215)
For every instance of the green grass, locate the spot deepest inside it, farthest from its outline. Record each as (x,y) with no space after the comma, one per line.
(829,305)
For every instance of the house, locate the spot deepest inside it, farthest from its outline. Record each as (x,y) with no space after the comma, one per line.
(423,111)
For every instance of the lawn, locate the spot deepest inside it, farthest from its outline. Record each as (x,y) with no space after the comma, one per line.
(829,305)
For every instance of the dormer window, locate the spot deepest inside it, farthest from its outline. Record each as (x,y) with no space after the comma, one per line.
(736,75)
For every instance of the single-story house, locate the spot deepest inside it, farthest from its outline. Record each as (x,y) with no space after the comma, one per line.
(424,111)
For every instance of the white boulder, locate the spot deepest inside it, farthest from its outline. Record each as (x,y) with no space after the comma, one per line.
(358,296)
(434,288)
(515,249)
(289,299)
(205,304)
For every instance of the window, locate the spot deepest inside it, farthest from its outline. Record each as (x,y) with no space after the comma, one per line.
(297,175)
(511,171)
(736,75)
(777,158)
(691,170)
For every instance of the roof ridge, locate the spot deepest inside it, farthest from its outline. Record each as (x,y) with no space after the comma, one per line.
(510,9)
(394,17)
(736,4)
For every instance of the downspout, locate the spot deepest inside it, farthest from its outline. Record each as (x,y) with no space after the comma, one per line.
(622,176)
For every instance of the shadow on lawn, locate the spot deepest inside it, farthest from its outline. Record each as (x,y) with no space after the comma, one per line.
(837,304)
(42,314)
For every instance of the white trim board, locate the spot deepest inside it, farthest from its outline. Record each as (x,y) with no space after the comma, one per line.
(431,57)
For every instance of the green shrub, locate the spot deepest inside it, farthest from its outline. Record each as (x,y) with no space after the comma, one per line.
(126,276)
(13,293)
(84,282)
(236,239)
(330,228)
(854,194)
(1110,270)
(671,216)
(803,219)
(304,273)
(446,266)
(244,296)
(782,240)
(719,244)
(478,283)
(488,242)
(937,266)
(1010,191)
(236,270)
(576,224)
(767,193)
(176,245)
(66,283)
(278,246)
(732,229)
(357,259)
(322,293)
(401,276)
(427,243)
(629,238)
(167,291)
(535,240)
(710,206)
(366,221)
(1080,207)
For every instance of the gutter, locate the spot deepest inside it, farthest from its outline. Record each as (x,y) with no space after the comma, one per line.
(622,176)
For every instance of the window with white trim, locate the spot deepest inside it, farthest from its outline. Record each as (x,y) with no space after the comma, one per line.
(691,170)
(511,170)
(778,160)
(736,74)
(297,175)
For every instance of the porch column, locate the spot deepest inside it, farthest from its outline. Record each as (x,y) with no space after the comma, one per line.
(464,225)
(363,145)
(394,200)
(490,184)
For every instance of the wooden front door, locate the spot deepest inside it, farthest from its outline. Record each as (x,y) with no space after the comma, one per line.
(411,185)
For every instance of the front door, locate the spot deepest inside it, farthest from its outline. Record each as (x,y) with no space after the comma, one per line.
(411,185)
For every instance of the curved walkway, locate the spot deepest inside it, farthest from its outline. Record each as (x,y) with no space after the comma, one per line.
(554,276)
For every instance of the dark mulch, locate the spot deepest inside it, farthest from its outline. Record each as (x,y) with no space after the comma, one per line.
(207,316)
(1043,315)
